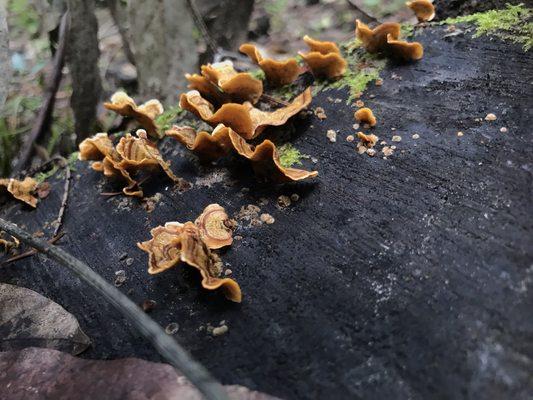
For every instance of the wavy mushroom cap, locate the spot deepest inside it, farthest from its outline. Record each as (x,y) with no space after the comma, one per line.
(365,115)
(405,51)
(323,47)
(375,40)
(423,9)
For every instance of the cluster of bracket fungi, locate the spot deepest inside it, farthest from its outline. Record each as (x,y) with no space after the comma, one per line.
(225,99)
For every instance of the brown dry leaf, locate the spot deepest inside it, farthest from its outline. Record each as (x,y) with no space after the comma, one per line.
(22,190)
(145,114)
(221,83)
(375,40)
(244,119)
(44,374)
(365,115)
(164,247)
(405,51)
(324,59)
(207,146)
(215,227)
(423,9)
(265,161)
(277,73)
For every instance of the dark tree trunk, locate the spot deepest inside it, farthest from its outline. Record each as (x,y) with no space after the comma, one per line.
(83,54)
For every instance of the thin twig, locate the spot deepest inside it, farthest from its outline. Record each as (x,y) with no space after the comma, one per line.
(64,200)
(31,252)
(165,344)
(45,113)
(369,17)
(197,16)
(271,99)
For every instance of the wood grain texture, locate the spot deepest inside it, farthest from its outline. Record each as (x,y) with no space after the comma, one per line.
(405,278)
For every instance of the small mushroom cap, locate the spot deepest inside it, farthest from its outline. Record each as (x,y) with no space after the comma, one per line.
(164,247)
(322,47)
(22,190)
(423,9)
(277,73)
(207,146)
(327,66)
(375,40)
(196,253)
(405,51)
(239,86)
(215,227)
(207,88)
(144,114)
(265,161)
(95,147)
(368,140)
(365,115)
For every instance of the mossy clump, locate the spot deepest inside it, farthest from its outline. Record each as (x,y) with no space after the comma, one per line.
(512,23)
(289,155)
(165,120)
(257,74)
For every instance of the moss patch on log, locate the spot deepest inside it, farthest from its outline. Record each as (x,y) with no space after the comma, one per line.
(289,155)
(512,23)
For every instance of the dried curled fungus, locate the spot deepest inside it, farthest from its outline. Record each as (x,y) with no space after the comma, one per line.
(264,157)
(375,40)
(405,51)
(244,119)
(324,59)
(366,116)
(145,114)
(130,155)
(177,242)
(277,73)
(265,161)
(368,141)
(221,83)
(215,227)
(207,146)
(22,190)
(423,9)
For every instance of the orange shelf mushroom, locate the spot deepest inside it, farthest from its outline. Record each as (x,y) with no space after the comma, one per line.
(366,116)
(325,59)
(21,190)
(375,40)
(207,146)
(145,114)
(221,84)
(223,140)
(405,51)
(192,243)
(423,9)
(244,119)
(277,73)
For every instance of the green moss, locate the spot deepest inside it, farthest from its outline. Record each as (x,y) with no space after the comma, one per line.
(165,120)
(512,23)
(289,155)
(286,92)
(257,74)
(363,68)
(407,31)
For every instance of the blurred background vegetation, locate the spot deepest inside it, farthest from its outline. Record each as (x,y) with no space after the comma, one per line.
(137,62)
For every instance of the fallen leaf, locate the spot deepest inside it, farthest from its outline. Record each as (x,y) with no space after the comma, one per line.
(29,319)
(43,374)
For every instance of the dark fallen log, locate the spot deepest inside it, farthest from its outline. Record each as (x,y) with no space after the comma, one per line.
(401,278)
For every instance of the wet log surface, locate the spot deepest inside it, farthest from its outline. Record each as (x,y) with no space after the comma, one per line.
(400,278)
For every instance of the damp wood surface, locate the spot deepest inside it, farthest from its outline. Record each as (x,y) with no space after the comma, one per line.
(405,278)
